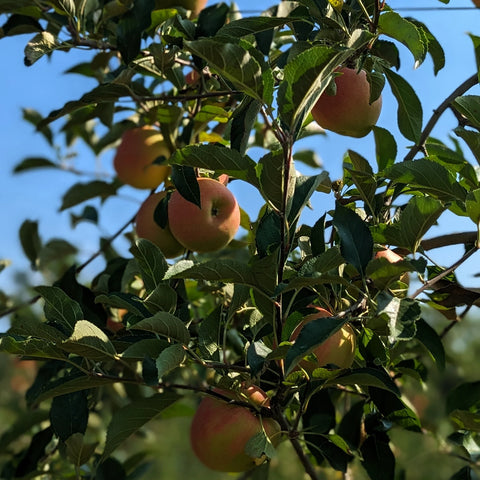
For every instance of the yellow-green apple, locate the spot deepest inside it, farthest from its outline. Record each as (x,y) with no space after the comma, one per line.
(147,227)
(194,5)
(210,227)
(348,112)
(136,156)
(338,349)
(220,430)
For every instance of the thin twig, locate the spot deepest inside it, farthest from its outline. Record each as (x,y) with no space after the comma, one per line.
(446,272)
(460,90)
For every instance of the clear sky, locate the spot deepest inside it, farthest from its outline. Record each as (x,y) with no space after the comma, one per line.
(36,195)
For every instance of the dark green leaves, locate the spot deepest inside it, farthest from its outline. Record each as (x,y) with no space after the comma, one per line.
(241,66)
(409,113)
(356,241)
(399,28)
(131,26)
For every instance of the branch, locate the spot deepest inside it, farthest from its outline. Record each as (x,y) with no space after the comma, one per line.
(446,272)
(460,90)
(36,298)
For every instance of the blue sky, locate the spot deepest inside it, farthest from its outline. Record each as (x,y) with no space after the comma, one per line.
(43,87)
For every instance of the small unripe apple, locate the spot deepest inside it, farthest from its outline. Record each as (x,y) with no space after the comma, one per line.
(220,430)
(210,227)
(147,227)
(348,112)
(135,158)
(338,349)
(194,5)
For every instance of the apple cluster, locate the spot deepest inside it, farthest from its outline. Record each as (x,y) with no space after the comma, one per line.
(140,161)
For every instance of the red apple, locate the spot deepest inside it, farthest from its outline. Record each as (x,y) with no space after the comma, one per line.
(338,349)
(210,227)
(134,160)
(147,227)
(220,430)
(348,112)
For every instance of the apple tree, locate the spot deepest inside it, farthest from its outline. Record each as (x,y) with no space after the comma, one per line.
(149,337)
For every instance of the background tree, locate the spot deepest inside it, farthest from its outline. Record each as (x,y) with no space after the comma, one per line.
(142,342)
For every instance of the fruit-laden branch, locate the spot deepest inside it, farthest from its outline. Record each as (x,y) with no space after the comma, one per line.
(437,113)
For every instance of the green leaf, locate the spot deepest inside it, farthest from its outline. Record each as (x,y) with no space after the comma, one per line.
(434,47)
(31,163)
(369,377)
(32,327)
(243,121)
(260,446)
(361,173)
(472,203)
(227,270)
(419,215)
(465,396)
(305,78)
(32,347)
(251,25)
(130,27)
(464,420)
(324,262)
(395,26)
(312,334)
(476,45)
(377,457)
(69,414)
(268,235)
(166,325)
(233,62)
(402,313)
(163,298)
(270,173)
(59,308)
(169,359)
(472,139)
(41,44)
(385,148)
(78,452)
(148,347)
(68,385)
(80,192)
(356,241)
(305,187)
(30,241)
(410,112)
(432,342)
(219,159)
(89,341)
(469,107)
(185,180)
(151,261)
(132,417)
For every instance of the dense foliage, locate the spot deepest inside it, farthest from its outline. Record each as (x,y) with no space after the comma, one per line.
(226,318)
